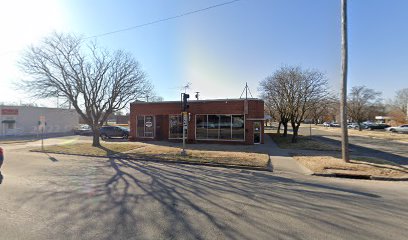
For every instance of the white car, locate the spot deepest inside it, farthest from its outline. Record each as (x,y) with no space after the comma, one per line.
(353,125)
(402,129)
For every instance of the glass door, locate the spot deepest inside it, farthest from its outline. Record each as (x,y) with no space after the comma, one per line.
(257,132)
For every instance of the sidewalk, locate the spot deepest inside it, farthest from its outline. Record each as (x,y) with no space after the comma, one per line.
(281,160)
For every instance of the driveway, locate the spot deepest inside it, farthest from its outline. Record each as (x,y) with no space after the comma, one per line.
(68,197)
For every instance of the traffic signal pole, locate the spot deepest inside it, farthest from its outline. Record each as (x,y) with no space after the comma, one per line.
(185,122)
(184,115)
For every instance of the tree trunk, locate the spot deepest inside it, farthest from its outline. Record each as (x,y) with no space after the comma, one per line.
(343,99)
(279,127)
(96,140)
(285,129)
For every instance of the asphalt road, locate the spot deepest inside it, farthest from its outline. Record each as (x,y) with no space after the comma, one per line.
(66,197)
(390,150)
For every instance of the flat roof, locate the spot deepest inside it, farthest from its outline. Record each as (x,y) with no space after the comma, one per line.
(36,107)
(197,101)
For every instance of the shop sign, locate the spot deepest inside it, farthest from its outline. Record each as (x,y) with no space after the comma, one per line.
(173,122)
(42,123)
(9,111)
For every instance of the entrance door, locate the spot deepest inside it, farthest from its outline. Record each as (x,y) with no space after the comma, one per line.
(257,132)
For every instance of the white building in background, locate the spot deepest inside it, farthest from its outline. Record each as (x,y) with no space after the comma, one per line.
(29,120)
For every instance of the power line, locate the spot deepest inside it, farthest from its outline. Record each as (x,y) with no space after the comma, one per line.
(163,19)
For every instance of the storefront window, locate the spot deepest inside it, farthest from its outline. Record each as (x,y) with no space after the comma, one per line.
(201,126)
(213,126)
(238,129)
(145,126)
(225,127)
(220,127)
(175,126)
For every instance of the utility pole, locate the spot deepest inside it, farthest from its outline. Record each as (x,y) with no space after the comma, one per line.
(343,98)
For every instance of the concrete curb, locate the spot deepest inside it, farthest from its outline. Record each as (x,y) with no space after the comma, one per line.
(388,178)
(359,176)
(208,164)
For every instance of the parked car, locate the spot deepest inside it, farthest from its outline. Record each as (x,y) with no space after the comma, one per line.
(114,131)
(376,126)
(331,124)
(83,129)
(1,163)
(353,125)
(402,129)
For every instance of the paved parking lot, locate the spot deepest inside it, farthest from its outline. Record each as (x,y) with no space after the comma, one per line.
(67,197)
(390,150)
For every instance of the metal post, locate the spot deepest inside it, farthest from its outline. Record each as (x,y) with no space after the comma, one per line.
(185,121)
(246,90)
(42,138)
(310,130)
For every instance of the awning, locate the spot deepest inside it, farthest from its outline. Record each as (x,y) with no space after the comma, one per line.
(255,119)
(8,121)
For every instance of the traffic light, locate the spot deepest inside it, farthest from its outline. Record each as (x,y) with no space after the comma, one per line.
(185,104)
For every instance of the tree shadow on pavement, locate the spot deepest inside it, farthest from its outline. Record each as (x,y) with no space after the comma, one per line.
(126,199)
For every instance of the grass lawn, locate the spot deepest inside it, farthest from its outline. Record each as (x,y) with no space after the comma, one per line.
(169,152)
(303,143)
(359,165)
(17,141)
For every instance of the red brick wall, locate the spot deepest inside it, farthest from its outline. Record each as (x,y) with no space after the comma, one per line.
(255,110)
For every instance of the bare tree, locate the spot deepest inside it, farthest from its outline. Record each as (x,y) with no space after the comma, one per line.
(274,91)
(277,114)
(309,89)
(401,100)
(361,101)
(95,81)
(294,92)
(397,108)
(322,109)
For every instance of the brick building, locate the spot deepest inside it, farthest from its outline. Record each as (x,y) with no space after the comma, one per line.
(224,121)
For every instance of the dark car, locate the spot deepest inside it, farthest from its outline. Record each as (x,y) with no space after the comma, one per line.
(1,163)
(84,130)
(376,126)
(1,156)
(114,131)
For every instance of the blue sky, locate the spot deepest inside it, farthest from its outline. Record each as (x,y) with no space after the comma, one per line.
(220,49)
